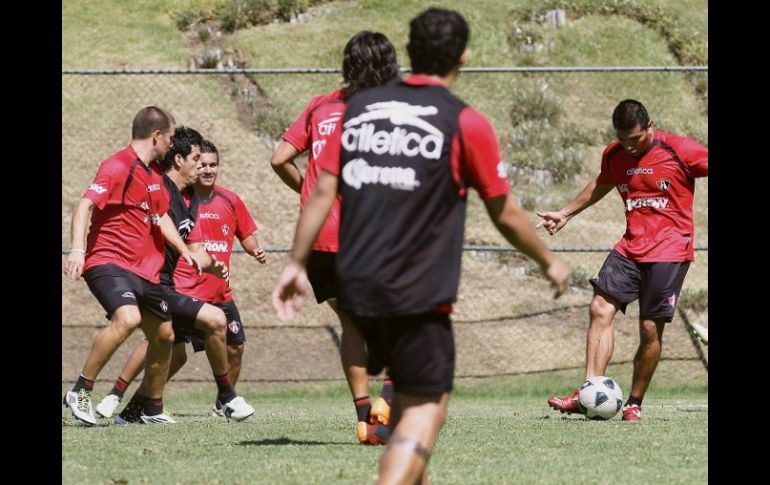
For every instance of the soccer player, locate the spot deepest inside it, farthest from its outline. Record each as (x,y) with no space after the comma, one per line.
(369,59)
(122,257)
(183,165)
(409,151)
(654,173)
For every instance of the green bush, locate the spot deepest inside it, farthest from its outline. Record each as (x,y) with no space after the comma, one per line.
(186,18)
(271,121)
(531,100)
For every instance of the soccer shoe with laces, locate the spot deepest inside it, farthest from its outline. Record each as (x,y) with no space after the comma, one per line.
(106,408)
(632,412)
(372,434)
(237,409)
(567,404)
(157,419)
(380,412)
(130,414)
(80,405)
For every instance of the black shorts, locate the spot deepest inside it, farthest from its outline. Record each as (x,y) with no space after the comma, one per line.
(322,275)
(234,334)
(418,350)
(655,285)
(184,313)
(114,287)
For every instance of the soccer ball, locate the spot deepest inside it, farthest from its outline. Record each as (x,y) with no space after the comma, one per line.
(600,398)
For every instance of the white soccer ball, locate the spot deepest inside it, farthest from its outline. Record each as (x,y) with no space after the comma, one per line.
(600,398)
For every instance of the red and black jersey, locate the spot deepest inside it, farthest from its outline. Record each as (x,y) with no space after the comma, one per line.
(183,206)
(221,218)
(130,201)
(311,131)
(408,151)
(657,190)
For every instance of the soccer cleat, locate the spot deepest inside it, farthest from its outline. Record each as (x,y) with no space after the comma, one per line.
(106,408)
(237,409)
(567,404)
(218,411)
(156,419)
(130,414)
(380,412)
(632,412)
(372,434)
(80,405)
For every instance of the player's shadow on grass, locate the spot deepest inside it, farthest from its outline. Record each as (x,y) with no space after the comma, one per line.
(288,441)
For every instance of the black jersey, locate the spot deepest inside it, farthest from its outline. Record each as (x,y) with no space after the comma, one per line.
(402,217)
(183,216)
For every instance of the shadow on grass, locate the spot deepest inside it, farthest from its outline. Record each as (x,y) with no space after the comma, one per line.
(288,441)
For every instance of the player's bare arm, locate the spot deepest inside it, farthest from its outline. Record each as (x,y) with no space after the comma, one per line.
(254,249)
(209,262)
(512,222)
(77,256)
(283,164)
(553,221)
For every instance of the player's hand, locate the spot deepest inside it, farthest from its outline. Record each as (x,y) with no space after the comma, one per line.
(193,261)
(260,255)
(74,266)
(219,269)
(553,221)
(289,293)
(558,272)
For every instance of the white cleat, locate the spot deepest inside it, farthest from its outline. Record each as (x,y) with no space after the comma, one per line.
(80,405)
(106,408)
(237,409)
(157,419)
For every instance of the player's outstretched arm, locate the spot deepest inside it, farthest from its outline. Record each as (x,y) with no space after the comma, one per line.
(76,258)
(553,221)
(512,222)
(283,164)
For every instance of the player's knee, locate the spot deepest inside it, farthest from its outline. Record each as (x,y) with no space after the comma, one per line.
(165,334)
(126,322)
(215,322)
(601,308)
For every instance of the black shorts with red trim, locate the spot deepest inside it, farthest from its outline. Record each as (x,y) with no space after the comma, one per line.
(114,287)
(418,350)
(184,314)
(655,285)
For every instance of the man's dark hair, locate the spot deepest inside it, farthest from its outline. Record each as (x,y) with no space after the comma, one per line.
(209,147)
(182,141)
(149,119)
(369,60)
(628,113)
(437,39)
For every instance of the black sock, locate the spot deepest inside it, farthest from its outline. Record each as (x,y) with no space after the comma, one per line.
(387,392)
(119,388)
(226,393)
(633,400)
(363,406)
(153,406)
(83,383)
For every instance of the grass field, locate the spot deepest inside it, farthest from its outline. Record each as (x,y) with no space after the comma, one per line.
(499,430)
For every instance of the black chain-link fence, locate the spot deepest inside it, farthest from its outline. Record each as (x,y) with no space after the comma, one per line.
(505,320)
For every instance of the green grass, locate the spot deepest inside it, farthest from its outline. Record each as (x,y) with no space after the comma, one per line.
(494,434)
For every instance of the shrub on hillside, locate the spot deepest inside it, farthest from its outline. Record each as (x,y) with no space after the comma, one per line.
(271,121)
